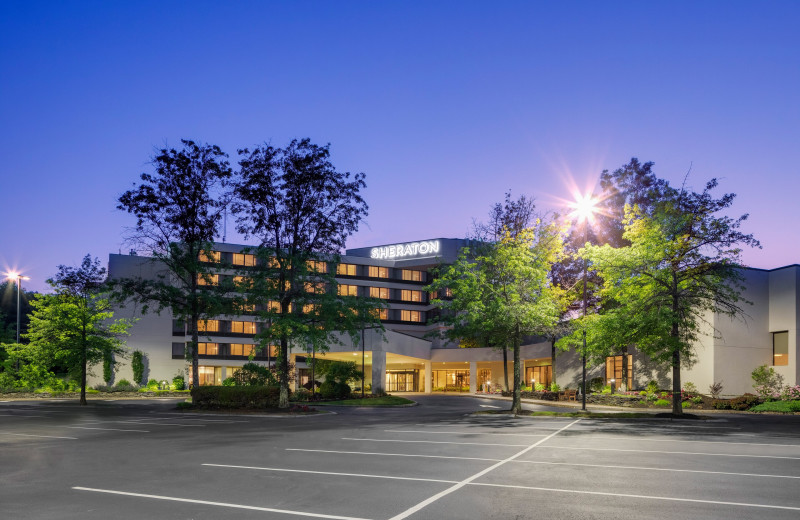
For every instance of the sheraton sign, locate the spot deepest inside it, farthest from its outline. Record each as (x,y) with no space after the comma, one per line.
(406,250)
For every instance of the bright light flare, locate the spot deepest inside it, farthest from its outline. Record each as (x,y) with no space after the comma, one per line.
(14,276)
(584,207)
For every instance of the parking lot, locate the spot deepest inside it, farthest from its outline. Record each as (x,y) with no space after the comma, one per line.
(143,459)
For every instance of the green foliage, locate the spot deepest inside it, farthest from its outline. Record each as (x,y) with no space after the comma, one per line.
(334,390)
(662,402)
(778,406)
(229,381)
(652,387)
(686,404)
(606,389)
(539,387)
(744,402)
(554,387)
(153,384)
(235,396)
(123,382)
(179,382)
(596,384)
(715,389)
(338,371)
(108,368)
(254,374)
(137,365)
(689,387)
(766,382)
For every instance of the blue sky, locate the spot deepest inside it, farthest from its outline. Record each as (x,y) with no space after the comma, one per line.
(444,105)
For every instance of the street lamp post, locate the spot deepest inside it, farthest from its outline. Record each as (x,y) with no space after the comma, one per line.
(18,277)
(584,208)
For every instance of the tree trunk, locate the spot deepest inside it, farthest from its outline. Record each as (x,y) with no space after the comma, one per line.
(516,402)
(83,367)
(677,401)
(553,359)
(283,372)
(623,385)
(505,365)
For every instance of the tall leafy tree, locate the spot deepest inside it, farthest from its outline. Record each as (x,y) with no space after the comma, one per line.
(301,210)
(178,209)
(683,262)
(503,293)
(74,327)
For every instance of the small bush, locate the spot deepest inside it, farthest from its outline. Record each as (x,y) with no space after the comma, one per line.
(686,404)
(152,385)
(744,402)
(596,384)
(652,387)
(302,394)
(555,388)
(229,381)
(778,406)
(607,389)
(721,404)
(179,382)
(538,387)
(236,396)
(123,382)
(689,387)
(767,383)
(253,374)
(334,390)
(791,393)
(715,389)
(662,402)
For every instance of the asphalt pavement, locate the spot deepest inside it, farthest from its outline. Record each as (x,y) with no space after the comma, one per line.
(145,459)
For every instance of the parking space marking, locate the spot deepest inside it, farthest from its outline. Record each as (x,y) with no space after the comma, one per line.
(218,504)
(606,466)
(333,473)
(673,452)
(394,454)
(106,429)
(626,495)
(469,433)
(42,436)
(436,442)
(627,439)
(410,511)
(160,424)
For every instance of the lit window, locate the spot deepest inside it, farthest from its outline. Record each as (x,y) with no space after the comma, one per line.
(780,348)
(310,308)
(315,287)
(243,327)
(210,256)
(382,314)
(379,292)
(273,306)
(614,370)
(207,279)
(317,266)
(208,325)
(411,296)
(244,259)
(206,375)
(448,293)
(346,269)
(347,290)
(247,307)
(208,349)
(378,272)
(433,295)
(415,316)
(241,349)
(243,282)
(412,275)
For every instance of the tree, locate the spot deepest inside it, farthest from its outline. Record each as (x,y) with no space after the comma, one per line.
(503,293)
(178,209)
(301,209)
(74,327)
(683,262)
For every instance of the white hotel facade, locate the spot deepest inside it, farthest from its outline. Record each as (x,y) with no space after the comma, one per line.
(408,356)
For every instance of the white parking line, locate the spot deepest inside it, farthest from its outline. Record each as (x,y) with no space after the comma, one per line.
(394,454)
(332,473)
(160,424)
(436,442)
(604,466)
(648,497)
(469,433)
(219,504)
(42,436)
(628,439)
(410,511)
(106,429)
(673,452)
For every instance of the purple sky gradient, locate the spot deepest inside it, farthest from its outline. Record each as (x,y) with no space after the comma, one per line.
(445,106)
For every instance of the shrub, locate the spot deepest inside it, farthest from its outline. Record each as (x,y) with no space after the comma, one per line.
(539,387)
(744,402)
(715,389)
(302,394)
(179,382)
(686,404)
(767,382)
(137,364)
(108,369)
(152,385)
(688,387)
(229,381)
(662,402)
(236,396)
(253,374)
(555,388)
(778,406)
(790,393)
(721,404)
(334,390)
(696,399)
(123,382)
(652,387)
(596,384)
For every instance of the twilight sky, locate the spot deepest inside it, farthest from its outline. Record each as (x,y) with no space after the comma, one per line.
(444,105)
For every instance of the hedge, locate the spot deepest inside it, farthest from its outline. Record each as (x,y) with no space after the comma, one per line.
(236,396)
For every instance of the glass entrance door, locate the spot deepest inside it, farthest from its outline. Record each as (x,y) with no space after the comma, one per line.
(542,375)
(401,380)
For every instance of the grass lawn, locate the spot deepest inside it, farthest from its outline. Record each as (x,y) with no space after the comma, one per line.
(777,406)
(595,415)
(389,400)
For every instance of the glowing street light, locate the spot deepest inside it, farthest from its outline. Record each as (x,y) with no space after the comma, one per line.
(13,276)
(584,208)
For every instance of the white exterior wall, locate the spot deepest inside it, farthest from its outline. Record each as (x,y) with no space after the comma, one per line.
(784,315)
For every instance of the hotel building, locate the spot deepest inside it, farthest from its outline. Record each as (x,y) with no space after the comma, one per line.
(410,357)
